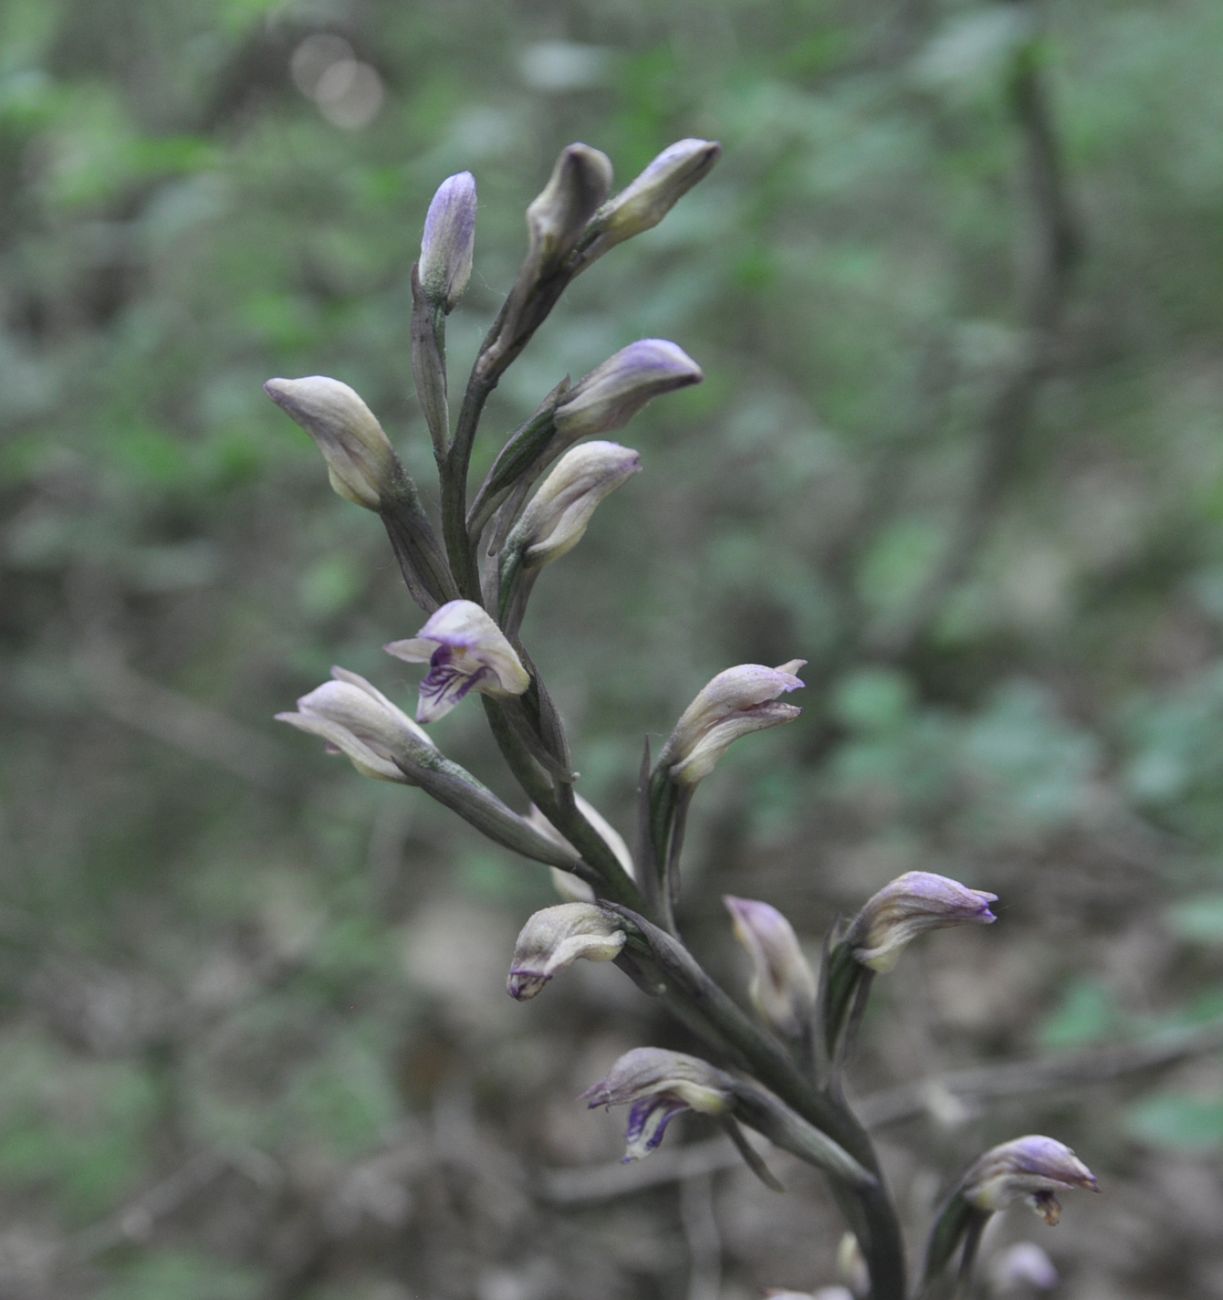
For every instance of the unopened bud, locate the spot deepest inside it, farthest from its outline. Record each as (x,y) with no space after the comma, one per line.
(361,464)
(912,904)
(1034,1167)
(648,198)
(555,937)
(611,394)
(736,702)
(557,516)
(379,739)
(579,183)
(448,243)
(657,1085)
(783,986)
(1020,1269)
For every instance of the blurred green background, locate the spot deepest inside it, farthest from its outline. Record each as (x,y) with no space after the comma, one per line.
(254,1043)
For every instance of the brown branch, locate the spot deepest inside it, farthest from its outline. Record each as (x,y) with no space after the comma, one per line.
(1057,247)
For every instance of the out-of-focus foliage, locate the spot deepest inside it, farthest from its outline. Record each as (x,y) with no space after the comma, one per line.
(251,1015)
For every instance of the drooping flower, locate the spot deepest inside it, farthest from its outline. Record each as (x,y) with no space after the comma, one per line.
(910,905)
(448,243)
(657,1085)
(570,887)
(1034,1167)
(611,394)
(361,463)
(378,738)
(557,516)
(737,701)
(465,651)
(555,937)
(783,985)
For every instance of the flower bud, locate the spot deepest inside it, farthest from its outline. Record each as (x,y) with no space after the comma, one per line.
(579,183)
(657,1085)
(557,516)
(783,986)
(464,649)
(1033,1167)
(647,199)
(824,1293)
(448,242)
(379,739)
(608,397)
(570,887)
(911,904)
(361,464)
(736,702)
(554,938)
(1022,1268)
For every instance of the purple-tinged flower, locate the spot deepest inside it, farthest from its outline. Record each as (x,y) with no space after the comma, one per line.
(555,937)
(611,394)
(648,198)
(657,1085)
(1034,1167)
(465,650)
(910,905)
(572,888)
(783,986)
(557,516)
(448,243)
(1021,1268)
(378,738)
(736,702)
(556,218)
(361,463)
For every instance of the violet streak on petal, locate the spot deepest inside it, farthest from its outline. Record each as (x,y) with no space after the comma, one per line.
(908,906)
(465,650)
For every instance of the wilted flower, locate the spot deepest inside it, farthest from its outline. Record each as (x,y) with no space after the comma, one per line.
(556,218)
(555,937)
(464,649)
(736,702)
(658,1085)
(911,904)
(783,986)
(646,200)
(1022,1267)
(1034,1167)
(379,739)
(611,394)
(558,514)
(361,464)
(570,887)
(448,243)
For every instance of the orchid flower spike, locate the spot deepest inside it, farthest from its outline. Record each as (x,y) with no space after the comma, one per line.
(783,985)
(736,702)
(657,1085)
(448,243)
(910,905)
(465,650)
(1034,1167)
(378,738)
(361,463)
(610,395)
(555,937)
